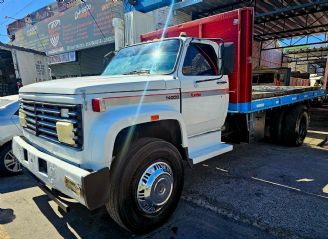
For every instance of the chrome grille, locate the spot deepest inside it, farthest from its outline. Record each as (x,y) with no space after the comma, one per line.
(41,118)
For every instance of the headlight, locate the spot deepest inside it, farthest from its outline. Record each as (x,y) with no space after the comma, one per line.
(22,118)
(65,132)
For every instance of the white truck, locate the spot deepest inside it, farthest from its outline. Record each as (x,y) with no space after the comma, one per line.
(120,139)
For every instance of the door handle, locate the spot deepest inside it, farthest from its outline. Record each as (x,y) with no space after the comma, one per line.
(221,82)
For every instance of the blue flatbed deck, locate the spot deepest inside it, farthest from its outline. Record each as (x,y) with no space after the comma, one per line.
(268,97)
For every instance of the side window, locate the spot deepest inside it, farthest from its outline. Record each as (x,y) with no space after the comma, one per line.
(201,60)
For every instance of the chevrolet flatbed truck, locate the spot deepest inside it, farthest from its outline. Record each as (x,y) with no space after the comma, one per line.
(120,139)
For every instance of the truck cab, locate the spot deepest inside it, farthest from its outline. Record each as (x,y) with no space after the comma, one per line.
(120,139)
(195,68)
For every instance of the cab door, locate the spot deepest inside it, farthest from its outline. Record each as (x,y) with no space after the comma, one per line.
(204,93)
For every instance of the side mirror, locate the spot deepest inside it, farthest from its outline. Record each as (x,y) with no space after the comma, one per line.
(227,60)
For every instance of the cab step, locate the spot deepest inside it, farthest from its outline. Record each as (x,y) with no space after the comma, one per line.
(207,146)
(203,154)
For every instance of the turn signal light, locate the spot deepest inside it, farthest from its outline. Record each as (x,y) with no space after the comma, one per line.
(98,105)
(154,117)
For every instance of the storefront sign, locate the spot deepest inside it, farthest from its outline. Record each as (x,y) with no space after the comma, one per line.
(34,17)
(86,25)
(62,58)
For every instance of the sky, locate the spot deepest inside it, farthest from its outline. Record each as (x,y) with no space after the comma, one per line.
(17,9)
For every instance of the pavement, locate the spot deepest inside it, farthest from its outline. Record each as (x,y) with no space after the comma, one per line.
(256,191)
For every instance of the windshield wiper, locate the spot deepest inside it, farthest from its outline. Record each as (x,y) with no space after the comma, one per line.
(144,71)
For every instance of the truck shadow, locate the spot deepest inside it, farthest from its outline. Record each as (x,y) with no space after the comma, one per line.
(16,183)
(80,222)
(184,223)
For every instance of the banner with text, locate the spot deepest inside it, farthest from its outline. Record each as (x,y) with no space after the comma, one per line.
(86,25)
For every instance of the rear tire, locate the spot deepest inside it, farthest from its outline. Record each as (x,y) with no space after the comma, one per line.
(152,162)
(276,125)
(295,126)
(9,165)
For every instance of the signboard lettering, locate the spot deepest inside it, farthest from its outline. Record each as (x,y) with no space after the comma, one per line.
(74,29)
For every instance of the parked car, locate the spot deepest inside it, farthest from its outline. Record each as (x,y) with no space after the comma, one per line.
(9,127)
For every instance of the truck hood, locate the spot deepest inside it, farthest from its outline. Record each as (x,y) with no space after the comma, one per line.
(100,84)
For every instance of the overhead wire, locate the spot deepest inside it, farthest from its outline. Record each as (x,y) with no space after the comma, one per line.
(19,11)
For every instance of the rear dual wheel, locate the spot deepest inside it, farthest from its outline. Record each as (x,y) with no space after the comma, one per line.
(276,125)
(295,126)
(145,185)
(290,126)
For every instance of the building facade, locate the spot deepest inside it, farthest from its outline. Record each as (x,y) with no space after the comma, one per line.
(75,35)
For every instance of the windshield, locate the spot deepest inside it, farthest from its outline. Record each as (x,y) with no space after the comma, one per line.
(150,58)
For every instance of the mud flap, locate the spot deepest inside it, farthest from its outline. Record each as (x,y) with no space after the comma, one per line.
(95,188)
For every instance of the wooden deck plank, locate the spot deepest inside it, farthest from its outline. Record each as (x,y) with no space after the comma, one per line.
(262,92)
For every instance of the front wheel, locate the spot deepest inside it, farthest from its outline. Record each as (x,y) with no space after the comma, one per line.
(145,185)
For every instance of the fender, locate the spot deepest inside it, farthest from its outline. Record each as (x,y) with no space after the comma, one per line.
(109,125)
(5,140)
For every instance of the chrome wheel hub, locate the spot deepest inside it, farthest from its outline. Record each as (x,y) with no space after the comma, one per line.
(11,163)
(155,187)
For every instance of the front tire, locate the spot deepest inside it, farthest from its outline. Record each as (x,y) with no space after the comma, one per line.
(145,185)
(9,165)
